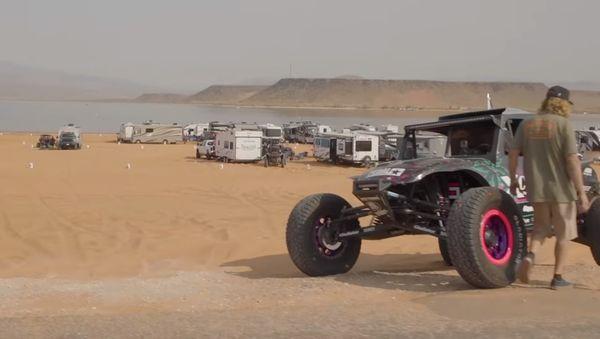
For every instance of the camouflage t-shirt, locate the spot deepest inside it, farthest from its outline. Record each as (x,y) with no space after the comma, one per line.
(545,141)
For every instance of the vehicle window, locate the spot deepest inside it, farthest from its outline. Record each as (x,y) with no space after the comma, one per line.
(149,130)
(272,133)
(226,145)
(231,145)
(472,139)
(363,146)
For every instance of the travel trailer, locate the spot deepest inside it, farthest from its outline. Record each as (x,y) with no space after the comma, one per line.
(152,132)
(237,145)
(194,132)
(328,146)
(69,137)
(125,132)
(358,148)
(325,146)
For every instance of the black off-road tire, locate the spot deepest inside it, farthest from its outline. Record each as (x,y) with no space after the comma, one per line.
(464,238)
(443,245)
(301,236)
(591,225)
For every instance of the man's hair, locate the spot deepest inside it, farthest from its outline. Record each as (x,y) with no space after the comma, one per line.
(556,106)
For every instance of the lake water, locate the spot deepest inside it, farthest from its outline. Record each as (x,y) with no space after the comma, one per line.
(107,117)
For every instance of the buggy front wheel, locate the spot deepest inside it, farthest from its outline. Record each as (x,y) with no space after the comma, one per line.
(311,236)
(486,237)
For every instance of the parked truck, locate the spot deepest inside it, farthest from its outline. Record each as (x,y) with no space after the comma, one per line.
(69,137)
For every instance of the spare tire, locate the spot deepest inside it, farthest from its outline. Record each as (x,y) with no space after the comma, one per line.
(486,237)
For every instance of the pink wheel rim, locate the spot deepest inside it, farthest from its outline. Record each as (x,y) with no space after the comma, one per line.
(496,237)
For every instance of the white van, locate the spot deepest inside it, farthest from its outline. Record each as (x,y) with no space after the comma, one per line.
(239,146)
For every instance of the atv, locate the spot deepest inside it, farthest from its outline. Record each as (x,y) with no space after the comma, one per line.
(463,199)
(274,154)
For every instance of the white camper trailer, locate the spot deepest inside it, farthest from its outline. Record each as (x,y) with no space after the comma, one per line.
(152,132)
(357,148)
(126,132)
(239,145)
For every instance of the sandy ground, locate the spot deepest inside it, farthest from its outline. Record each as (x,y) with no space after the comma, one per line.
(178,247)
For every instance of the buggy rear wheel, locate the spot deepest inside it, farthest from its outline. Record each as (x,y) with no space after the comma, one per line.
(311,238)
(486,237)
(591,225)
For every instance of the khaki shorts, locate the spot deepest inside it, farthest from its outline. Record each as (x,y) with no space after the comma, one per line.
(563,216)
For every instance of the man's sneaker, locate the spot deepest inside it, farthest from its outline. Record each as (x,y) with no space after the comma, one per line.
(524,271)
(560,283)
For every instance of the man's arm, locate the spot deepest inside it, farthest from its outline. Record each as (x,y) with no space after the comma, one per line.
(513,162)
(574,171)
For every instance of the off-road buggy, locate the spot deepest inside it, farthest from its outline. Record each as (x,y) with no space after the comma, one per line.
(46,141)
(275,154)
(462,199)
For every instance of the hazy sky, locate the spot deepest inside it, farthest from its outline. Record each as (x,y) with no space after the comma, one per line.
(186,45)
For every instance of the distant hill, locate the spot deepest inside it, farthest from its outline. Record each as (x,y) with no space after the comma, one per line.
(161,98)
(30,83)
(225,94)
(397,94)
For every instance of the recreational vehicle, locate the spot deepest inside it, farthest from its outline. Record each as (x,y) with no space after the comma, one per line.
(152,132)
(69,137)
(358,148)
(236,145)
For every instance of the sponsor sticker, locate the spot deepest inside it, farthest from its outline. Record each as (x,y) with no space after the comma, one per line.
(386,172)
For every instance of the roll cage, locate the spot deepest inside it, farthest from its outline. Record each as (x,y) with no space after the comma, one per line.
(501,123)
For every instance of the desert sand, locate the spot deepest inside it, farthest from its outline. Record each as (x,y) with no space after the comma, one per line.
(116,240)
